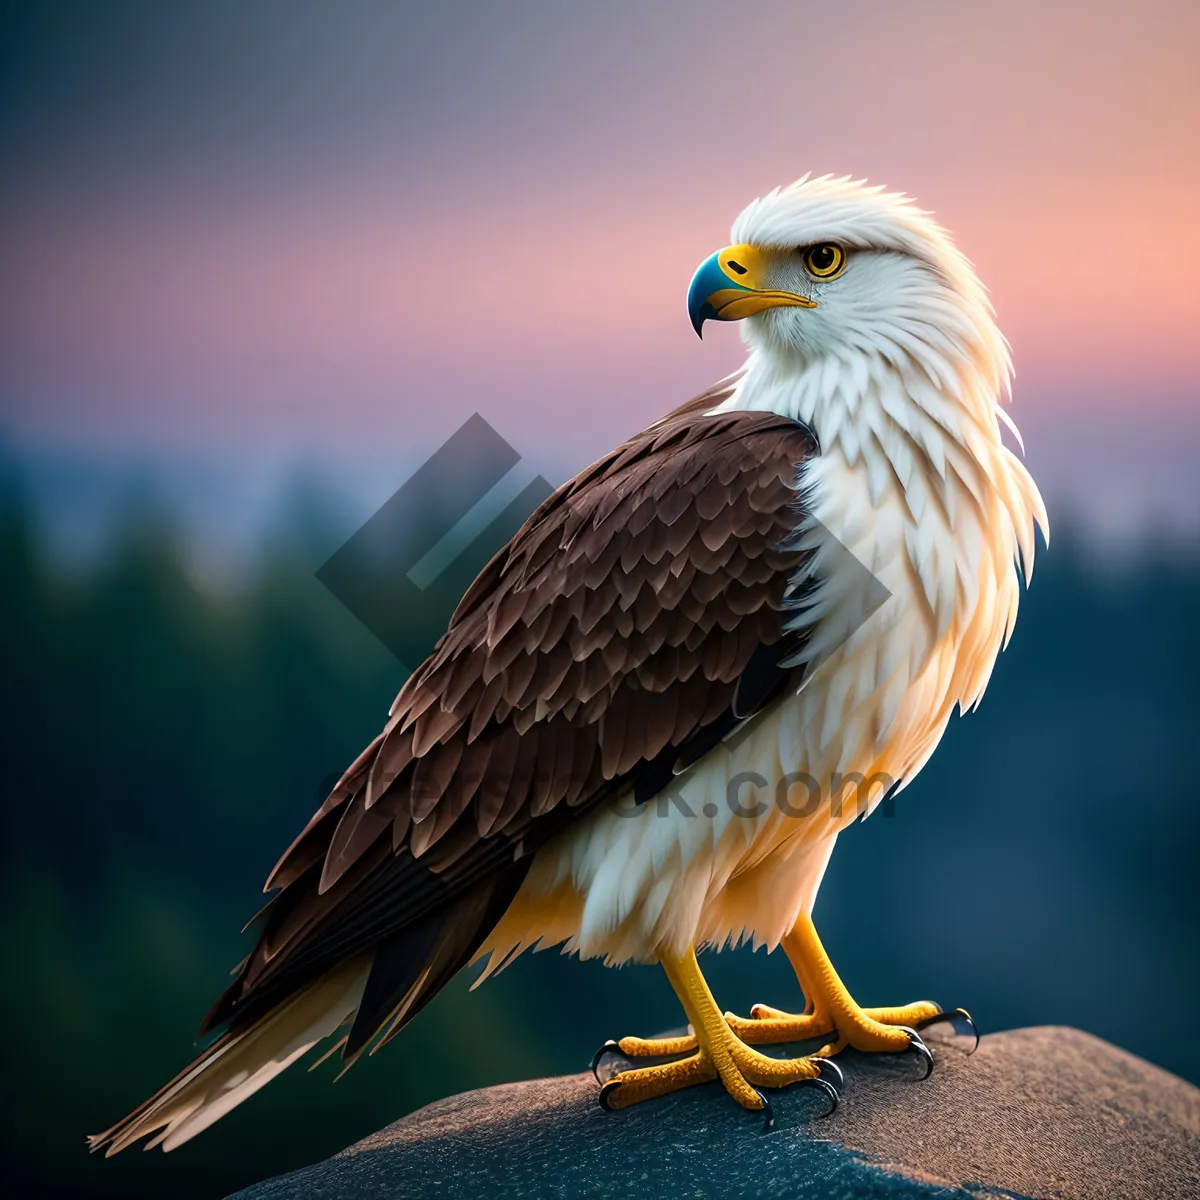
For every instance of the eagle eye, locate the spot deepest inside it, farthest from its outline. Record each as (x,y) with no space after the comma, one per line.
(825,260)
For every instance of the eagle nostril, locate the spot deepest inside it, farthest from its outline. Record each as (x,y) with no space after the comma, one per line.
(737,266)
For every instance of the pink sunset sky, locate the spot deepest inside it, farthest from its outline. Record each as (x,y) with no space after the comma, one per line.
(333,232)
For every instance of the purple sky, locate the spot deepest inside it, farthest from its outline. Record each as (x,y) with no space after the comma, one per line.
(243,234)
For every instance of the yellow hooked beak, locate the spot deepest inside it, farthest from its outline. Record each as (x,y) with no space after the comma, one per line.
(729,286)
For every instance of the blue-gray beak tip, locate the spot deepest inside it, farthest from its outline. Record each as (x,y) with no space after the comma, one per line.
(709,278)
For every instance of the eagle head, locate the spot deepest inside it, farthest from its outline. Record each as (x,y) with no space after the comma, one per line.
(836,268)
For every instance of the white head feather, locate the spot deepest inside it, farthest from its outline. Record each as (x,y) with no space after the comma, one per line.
(907,294)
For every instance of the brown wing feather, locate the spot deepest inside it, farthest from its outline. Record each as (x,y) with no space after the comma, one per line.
(613,628)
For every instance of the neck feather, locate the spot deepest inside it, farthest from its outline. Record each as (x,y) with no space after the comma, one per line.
(925,460)
(935,431)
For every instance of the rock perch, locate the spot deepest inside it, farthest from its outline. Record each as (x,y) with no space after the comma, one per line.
(1044,1112)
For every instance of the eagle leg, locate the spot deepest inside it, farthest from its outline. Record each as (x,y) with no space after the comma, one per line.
(832,1010)
(717,1053)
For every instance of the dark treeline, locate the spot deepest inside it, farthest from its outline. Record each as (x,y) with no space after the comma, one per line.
(162,743)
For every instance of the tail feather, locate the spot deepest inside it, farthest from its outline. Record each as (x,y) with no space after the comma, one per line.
(410,969)
(239,1063)
(379,991)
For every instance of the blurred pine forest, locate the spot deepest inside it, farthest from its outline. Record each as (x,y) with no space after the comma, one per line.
(163,742)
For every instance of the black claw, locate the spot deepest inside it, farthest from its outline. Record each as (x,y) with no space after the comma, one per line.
(953,1015)
(970,1020)
(767,1111)
(829,1091)
(918,1047)
(827,1064)
(606,1092)
(609,1047)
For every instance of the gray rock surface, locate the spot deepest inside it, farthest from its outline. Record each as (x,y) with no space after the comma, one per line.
(1033,1113)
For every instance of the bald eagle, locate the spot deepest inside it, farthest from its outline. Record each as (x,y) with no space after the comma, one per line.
(601,750)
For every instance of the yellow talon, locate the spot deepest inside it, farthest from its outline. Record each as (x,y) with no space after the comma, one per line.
(716,1052)
(636,1047)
